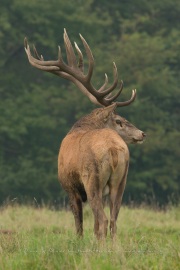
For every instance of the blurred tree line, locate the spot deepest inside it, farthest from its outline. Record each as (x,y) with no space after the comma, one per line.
(37,109)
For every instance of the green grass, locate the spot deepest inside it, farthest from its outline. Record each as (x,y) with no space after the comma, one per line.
(45,239)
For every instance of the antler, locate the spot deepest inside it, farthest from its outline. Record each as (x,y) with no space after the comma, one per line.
(74,71)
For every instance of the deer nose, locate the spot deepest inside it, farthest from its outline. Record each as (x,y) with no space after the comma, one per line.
(143,134)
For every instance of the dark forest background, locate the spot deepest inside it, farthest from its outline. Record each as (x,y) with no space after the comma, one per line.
(37,109)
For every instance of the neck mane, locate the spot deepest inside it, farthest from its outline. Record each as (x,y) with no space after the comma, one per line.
(88,122)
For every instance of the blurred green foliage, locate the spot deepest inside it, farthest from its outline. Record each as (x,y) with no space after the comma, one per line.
(38,109)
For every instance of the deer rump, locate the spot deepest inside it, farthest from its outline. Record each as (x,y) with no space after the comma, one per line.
(92,162)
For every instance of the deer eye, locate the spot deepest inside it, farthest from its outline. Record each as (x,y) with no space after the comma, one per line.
(119,122)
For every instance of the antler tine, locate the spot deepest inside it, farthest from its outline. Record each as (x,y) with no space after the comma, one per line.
(71,58)
(36,53)
(80,55)
(101,89)
(111,99)
(125,103)
(60,60)
(81,60)
(113,86)
(90,58)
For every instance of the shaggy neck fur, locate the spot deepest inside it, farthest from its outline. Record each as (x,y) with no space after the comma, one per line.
(89,122)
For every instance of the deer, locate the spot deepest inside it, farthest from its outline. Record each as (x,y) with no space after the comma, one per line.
(93,158)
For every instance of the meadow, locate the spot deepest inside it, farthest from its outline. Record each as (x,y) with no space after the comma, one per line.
(44,238)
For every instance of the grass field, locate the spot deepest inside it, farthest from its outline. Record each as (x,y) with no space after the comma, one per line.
(41,238)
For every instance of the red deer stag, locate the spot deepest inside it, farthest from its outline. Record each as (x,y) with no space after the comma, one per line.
(94,157)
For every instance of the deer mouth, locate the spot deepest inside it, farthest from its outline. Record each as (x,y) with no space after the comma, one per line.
(138,141)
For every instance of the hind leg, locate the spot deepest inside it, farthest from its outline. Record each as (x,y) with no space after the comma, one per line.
(94,195)
(100,219)
(76,207)
(116,194)
(115,204)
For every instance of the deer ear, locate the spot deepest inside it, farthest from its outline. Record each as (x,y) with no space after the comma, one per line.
(106,112)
